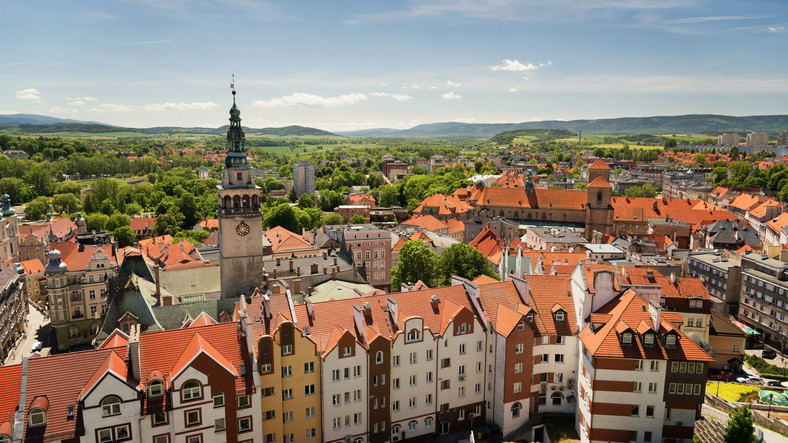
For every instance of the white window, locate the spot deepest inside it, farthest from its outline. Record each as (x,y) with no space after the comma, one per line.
(218,399)
(518,368)
(191,390)
(413,335)
(412,380)
(309,367)
(518,386)
(429,377)
(287,371)
(110,406)
(412,357)
(518,349)
(462,348)
(310,412)
(429,354)
(379,357)
(412,402)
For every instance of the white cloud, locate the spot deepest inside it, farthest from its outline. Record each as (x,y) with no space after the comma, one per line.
(384,84)
(397,97)
(524,78)
(197,106)
(301,99)
(453,84)
(29,94)
(79,101)
(59,110)
(776,28)
(516,66)
(716,18)
(411,87)
(514,89)
(450,96)
(111,107)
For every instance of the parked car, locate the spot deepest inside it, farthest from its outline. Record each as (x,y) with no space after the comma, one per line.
(749,379)
(768,353)
(37,346)
(774,383)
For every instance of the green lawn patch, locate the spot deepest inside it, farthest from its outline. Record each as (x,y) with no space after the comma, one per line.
(731,391)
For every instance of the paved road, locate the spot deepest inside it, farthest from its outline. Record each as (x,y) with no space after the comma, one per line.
(37,330)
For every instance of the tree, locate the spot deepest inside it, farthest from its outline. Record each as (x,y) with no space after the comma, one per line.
(581,185)
(65,203)
(16,188)
(306,201)
(671,143)
(332,218)
(188,207)
(96,222)
(116,221)
(166,224)
(195,236)
(374,181)
(357,219)
(463,261)
(416,262)
(389,196)
(37,209)
(124,235)
(329,200)
(740,428)
(69,187)
(282,215)
(40,181)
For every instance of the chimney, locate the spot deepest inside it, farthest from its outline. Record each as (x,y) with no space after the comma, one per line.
(313,269)
(367,311)
(519,263)
(434,301)
(673,278)
(267,306)
(81,247)
(156,271)
(325,270)
(335,260)
(333,273)
(309,308)
(274,273)
(297,285)
(134,352)
(298,270)
(291,265)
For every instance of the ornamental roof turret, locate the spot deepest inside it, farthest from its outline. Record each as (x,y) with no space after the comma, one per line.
(7,211)
(236,149)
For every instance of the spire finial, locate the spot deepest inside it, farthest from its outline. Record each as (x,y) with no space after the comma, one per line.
(232,86)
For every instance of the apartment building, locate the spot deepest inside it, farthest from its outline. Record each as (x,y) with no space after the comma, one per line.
(728,139)
(162,387)
(77,283)
(303,177)
(757,139)
(13,310)
(764,297)
(9,233)
(721,273)
(367,246)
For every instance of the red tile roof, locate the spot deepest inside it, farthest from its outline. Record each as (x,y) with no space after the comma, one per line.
(116,339)
(33,266)
(776,224)
(600,182)
(113,365)
(488,242)
(599,164)
(427,222)
(283,240)
(143,224)
(692,212)
(455,226)
(61,227)
(10,383)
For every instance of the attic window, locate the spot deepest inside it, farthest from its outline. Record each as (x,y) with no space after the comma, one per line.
(560,316)
(626,338)
(155,388)
(670,340)
(530,317)
(37,417)
(413,335)
(648,339)
(521,326)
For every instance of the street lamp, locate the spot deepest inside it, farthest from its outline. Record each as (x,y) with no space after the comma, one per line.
(769,414)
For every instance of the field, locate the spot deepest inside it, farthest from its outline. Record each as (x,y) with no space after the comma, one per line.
(731,391)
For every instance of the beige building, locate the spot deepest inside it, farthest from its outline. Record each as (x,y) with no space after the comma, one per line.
(757,139)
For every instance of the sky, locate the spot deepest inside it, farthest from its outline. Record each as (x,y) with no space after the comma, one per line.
(345,65)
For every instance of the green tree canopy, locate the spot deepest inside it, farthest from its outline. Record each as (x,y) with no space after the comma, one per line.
(117,220)
(357,219)
(16,188)
(96,222)
(740,428)
(65,203)
(332,218)
(463,261)
(38,208)
(416,262)
(166,224)
(306,201)
(124,235)
(282,215)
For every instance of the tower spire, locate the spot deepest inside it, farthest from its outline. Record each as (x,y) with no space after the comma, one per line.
(236,151)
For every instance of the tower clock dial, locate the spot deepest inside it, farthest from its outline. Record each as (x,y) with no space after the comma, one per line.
(242,229)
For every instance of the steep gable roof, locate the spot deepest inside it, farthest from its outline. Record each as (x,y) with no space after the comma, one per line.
(599,164)
(112,365)
(427,222)
(199,346)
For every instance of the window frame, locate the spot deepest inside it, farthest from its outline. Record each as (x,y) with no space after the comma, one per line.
(110,409)
(191,390)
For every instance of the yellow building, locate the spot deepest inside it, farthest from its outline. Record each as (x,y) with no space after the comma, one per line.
(289,373)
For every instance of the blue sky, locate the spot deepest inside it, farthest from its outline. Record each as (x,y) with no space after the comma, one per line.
(346,65)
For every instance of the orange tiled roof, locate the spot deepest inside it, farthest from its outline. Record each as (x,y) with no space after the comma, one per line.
(10,382)
(77,260)
(746,202)
(446,205)
(117,339)
(283,240)
(203,320)
(599,164)
(455,226)
(32,266)
(488,242)
(627,311)
(139,224)
(398,245)
(776,224)
(549,293)
(760,210)
(484,280)
(690,211)
(114,365)
(60,227)
(427,222)
(599,182)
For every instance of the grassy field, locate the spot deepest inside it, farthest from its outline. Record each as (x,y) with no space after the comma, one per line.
(731,391)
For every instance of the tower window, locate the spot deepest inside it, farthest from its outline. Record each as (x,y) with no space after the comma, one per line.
(598,197)
(240,176)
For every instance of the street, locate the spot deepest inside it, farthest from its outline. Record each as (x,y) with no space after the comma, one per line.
(37,330)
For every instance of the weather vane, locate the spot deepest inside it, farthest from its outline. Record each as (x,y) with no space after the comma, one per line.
(232,84)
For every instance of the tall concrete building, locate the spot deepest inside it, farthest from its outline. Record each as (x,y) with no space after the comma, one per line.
(240,226)
(304,177)
(782,139)
(728,139)
(757,139)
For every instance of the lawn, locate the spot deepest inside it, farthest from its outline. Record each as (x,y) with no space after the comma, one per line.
(731,391)
(560,429)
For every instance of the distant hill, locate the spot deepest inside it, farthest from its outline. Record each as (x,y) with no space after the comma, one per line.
(504,138)
(679,124)
(41,124)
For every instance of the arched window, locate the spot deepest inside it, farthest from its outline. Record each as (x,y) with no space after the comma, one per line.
(428,422)
(37,417)
(236,201)
(412,426)
(395,433)
(5,439)
(379,357)
(516,409)
(156,388)
(246,201)
(520,326)
(227,202)
(191,390)
(556,398)
(218,399)
(414,334)
(598,198)
(110,406)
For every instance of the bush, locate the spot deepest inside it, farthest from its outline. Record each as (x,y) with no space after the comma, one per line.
(765,368)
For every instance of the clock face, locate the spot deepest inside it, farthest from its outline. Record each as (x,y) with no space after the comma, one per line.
(242,229)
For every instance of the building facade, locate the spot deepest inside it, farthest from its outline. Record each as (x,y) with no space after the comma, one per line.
(303,177)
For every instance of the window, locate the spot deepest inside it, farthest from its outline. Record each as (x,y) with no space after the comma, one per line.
(559,316)
(445,363)
(696,390)
(310,412)
(699,368)
(477,388)
(193,417)
(429,354)
(461,392)
(636,386)
(37,417)
(638,365)
(269,438)
(412,357)
(191,391)
(379,357)
(516,410)
(269,415)
(311,433)
(309,367)
(649,411)
(626,338)
(674,367)
(287,394)
(357,395)
(396,383)
(245,424)
(336,375)
(413,335)
(309,389)
(395,406)
(518,387)
(412,426)
(635,411)
(670,340)
(654,366)
(347,350)
(155,388)
(162,438)
(412,402)
(287,371)
(633,436)
(395,360)
(412,380)
(337,422)
(219,424)
(647,437)
(243,401)
(462,370)
(265,368)
(462,348)
(357,371)
(428,377)
(652,388)
(336,399)
(683,367)
(559,358)
(428,399)
(105,435)
(218,399)
(520,326)
(428,422)
(518,368)
(110,406)
(159,418)
(518,349)
(445,384)
(648,339)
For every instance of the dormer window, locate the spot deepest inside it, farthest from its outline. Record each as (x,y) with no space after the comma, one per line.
(191,391)
(530,317)
(521,326)
(156,388)
(110,406)
(626,338)
(346,351)
(462,329)
(413,335)
(37,417)
(648,339)
(560,316)
(670,340)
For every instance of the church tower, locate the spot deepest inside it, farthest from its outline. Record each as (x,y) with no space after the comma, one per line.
(599,208)
(240,222)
